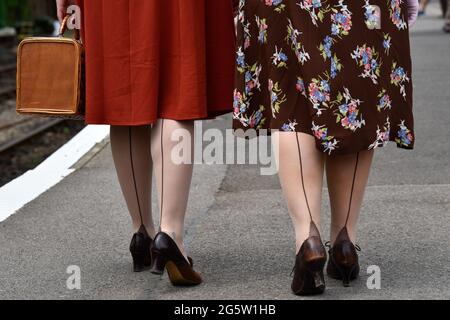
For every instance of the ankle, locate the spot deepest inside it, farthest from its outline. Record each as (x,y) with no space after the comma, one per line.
(335,231)
(305,231)
(178,238)
(300,240)
(150,230)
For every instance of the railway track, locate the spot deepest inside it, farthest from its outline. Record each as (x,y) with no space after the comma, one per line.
(7,91)
(7,81)
(26,150)
(11,67)
(42,128)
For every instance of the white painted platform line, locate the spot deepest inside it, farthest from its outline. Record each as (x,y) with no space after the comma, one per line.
(29,186)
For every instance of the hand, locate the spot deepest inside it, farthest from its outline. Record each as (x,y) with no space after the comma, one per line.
(61,8)
(235,7)
(413,11)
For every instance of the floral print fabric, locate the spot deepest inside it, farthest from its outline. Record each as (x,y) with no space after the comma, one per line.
(339,70)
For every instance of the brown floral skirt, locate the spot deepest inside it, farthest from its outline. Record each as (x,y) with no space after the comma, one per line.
(337,69)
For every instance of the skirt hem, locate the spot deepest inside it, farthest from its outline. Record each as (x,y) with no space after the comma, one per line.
(208,116)
(335,152)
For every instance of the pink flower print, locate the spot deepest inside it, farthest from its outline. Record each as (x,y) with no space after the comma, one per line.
(385,101)
(395,12)
(347,111)
(352,107)
(399,78)
(262,26)
(345,122)
(341,20)
(329,143)
(367,58)
(315,8)
(247,43)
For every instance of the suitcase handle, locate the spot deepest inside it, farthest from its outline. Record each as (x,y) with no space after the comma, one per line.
(63,28)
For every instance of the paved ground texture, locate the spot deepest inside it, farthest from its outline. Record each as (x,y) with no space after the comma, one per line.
(241,238)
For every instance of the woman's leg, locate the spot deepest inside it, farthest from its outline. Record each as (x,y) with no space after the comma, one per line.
(447,14)
(347,178)
(301,169)
(173,178)
(131,153)
(423,5)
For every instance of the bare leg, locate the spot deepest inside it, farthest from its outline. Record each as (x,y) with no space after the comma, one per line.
(347,178)
(301,169)
(131,153)
(423,4)
(173,179)
(447,14)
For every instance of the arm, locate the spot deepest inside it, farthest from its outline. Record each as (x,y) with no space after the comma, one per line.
(61,8)
(413,10)
(235,6)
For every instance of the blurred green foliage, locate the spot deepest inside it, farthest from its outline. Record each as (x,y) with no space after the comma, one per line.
(14,11)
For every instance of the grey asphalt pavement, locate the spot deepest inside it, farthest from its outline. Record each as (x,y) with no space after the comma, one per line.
(238,229)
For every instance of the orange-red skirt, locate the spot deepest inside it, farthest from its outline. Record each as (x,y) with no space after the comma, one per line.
(147,60)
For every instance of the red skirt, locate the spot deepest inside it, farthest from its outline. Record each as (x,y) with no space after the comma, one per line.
(147,60)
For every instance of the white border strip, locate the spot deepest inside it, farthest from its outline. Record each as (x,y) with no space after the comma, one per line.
(21,191)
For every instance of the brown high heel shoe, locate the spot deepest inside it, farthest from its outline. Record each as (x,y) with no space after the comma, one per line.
(167,255)
(343,263)
(309,265)
(140,250)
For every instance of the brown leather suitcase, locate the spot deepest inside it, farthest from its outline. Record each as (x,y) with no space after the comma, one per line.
(50,76)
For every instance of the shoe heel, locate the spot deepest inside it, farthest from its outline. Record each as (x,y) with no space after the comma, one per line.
(314,279)
(140,250)
(159,262)
(319,282)
(348,274)
(141,261)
